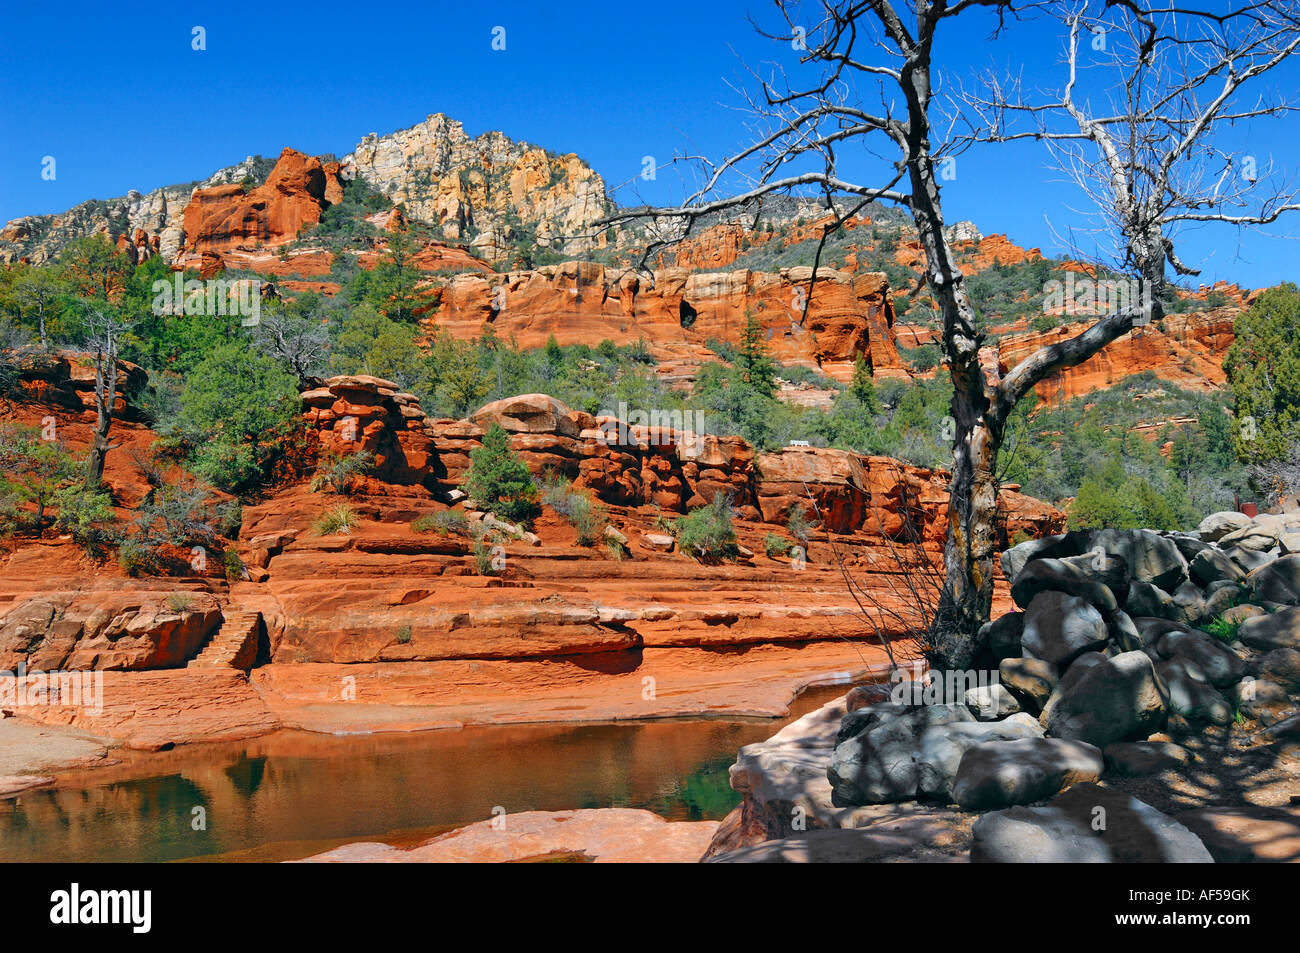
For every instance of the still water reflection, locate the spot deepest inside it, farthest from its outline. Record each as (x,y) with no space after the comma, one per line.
(294,793)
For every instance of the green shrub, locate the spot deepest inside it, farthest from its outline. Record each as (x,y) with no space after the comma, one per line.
(341,470)
(87,515)
(1222,629)
(585,516)
(448,522)
(482,551)
(180,601)
(139,559)
(708,532)
(498,480)
(230,517)
(232,564)
(797,525)
(237,407)
(336,519)
(404,635)
(776,546)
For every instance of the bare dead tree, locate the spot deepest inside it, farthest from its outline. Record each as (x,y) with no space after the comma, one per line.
(301,343)
(1144,121)
(873,86)
(103,341)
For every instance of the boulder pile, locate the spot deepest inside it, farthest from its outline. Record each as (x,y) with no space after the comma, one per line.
(1123,641)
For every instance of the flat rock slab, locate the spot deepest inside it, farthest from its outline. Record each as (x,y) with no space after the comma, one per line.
(910,834)
(1065,831)
(17,783)
(29,749)
(608,835)
(1246,835)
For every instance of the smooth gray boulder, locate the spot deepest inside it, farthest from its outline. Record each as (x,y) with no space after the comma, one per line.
(1279,630)
(1210,566)
(1248,559)
(991,702)
(1149,556)
(1239,614)
(1277,581)
(1218,525)
(1221,665)
(1080,667)
(1014,559)
(1153,630)
(939,750)
(914,754)
(860,719)
(1124,632)
(1030,680)
(1055,575)
(1191,695)
(1108,570)
(1189,546)
(1281,666)
(1002,635)
(1000,774)
(1087,823)
(1119,699)
(1061,627)
(1188,603)
(1260,535)
(1134,759)
(1221,600)
(1147,600)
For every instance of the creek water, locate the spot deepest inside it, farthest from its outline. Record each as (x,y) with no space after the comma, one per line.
(293,793)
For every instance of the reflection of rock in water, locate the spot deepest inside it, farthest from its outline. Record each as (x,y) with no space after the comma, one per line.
(292,793)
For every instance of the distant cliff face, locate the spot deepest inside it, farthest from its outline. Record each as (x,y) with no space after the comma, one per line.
(158,214)
(583,302)
(488,191)
(482,190)
(1185,350)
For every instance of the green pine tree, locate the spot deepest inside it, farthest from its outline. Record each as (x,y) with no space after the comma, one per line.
(1263,368)
(498,480)
(863,387)
(752,360)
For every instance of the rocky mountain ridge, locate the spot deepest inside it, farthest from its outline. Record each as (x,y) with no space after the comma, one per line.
(482,190)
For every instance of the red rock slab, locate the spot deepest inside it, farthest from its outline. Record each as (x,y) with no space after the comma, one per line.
(605,836)
(155,710)
(27,750)
(396,696)
(16,784)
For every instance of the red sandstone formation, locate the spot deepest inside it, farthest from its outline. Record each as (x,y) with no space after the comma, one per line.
(225,218)
(138,248)
(66,380)
(608,836)
(422,639)
(658,463)
(582,302)
(1185,350)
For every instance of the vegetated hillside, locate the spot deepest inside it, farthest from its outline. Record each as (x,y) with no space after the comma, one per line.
(435,260)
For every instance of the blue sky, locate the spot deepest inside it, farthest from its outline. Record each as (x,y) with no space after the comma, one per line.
(116,94)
